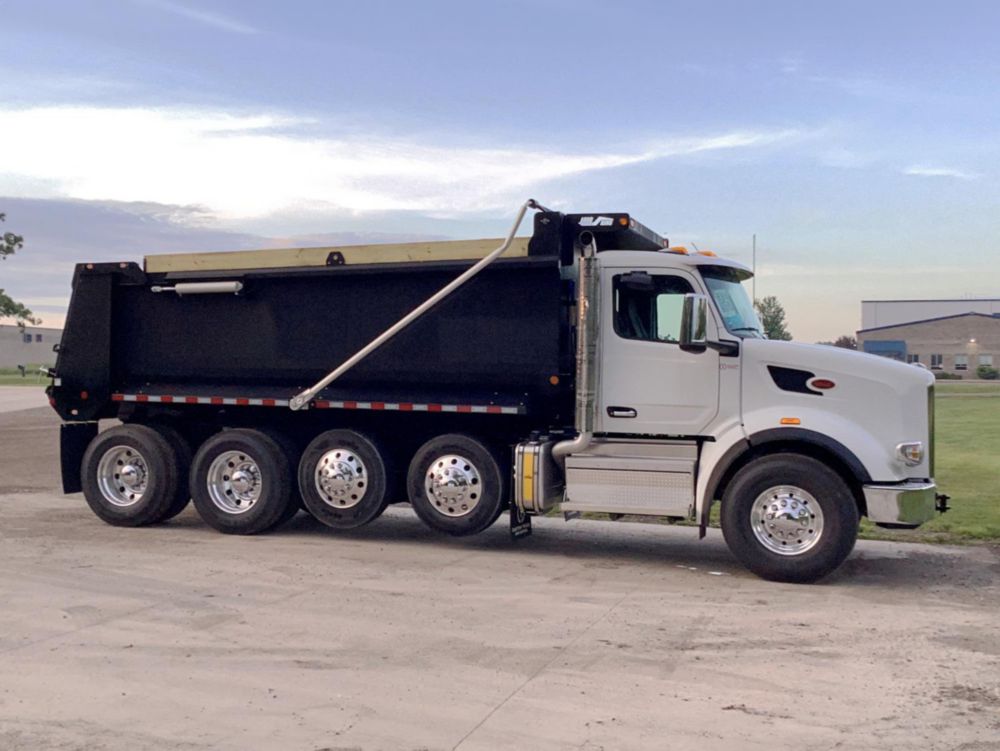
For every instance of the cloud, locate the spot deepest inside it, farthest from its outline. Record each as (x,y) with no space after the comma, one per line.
(921,170)
(256,165)
(61,233)
(207,18)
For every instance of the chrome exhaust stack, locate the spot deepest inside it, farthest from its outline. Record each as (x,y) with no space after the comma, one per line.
(587,322)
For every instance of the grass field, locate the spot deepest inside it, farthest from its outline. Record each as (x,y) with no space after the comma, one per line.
(967,465)
(12,377)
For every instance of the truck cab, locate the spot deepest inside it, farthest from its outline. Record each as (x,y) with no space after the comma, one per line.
(694,404)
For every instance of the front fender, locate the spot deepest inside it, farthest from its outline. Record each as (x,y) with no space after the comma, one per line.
(872,458)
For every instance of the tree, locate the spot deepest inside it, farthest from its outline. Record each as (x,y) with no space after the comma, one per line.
(772,318)
(9,308)
(845,341)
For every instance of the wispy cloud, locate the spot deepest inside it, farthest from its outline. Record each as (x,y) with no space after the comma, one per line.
(923,170)
(205,17)
(258,165)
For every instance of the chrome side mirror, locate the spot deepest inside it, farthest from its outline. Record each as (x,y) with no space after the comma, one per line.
(694,321)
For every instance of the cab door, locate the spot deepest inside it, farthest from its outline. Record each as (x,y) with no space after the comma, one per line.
(649,385)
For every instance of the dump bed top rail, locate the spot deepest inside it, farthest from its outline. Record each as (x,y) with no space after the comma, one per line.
(238,260)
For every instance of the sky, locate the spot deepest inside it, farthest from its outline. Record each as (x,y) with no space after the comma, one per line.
(859,141)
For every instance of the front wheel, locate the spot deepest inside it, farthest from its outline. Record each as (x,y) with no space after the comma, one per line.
(789,518)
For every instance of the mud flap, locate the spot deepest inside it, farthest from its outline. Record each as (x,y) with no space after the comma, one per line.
(74,437)
(520,523)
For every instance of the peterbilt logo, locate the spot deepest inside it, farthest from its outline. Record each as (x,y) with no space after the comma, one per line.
(596,221)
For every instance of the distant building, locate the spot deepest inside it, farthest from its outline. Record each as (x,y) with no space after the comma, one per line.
(31,345)
(879,313)
(951,336)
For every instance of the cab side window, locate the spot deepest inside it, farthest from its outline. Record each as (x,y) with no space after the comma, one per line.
(648,306)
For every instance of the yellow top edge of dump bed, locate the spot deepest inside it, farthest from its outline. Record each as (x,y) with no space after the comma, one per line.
(279,258)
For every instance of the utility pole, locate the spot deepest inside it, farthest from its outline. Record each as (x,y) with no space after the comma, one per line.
(754,268)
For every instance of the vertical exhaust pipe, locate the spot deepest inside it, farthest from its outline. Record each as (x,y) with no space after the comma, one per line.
(587,323)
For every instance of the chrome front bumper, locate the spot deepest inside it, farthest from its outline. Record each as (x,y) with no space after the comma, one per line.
(908,504)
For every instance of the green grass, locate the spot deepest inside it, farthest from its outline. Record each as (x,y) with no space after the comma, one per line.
(959,388)
(967,467)
(12,377)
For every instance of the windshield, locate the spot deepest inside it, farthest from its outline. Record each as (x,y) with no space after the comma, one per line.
(725,284)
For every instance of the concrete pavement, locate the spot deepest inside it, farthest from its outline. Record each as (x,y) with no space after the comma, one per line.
(588,635)
(15,398)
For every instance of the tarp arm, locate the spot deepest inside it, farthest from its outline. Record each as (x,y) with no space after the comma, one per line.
(302,400)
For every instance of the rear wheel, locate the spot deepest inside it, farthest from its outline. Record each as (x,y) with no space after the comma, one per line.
(456,485)
(343,479)
(182,452)
(789,518)
(130,476)
(241,482)
(292,454)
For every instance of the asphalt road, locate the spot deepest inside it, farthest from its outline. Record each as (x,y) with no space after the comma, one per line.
(587,635)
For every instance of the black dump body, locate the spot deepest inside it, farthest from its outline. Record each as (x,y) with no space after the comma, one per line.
(496,341)
(503,342)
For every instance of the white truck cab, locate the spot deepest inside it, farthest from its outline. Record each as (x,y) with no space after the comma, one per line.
(694,404)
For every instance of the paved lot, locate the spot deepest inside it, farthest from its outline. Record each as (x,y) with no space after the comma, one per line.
(16,398)
(586,636)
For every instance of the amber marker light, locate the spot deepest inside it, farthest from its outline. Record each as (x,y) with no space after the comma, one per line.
(791,421)
(554,380)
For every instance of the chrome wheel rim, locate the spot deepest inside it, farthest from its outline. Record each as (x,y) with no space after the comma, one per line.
(787,520)
(341,478)
(453,485)
(234,482)
(122,476)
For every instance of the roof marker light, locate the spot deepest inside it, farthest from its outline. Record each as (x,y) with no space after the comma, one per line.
(678,249)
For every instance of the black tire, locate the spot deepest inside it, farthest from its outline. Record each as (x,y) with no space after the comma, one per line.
(149,490)
(479,495)
(182,450)
(824,539)
(292,454)
(359,495)
(265,479)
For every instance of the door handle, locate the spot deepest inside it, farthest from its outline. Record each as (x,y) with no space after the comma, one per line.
(622,412)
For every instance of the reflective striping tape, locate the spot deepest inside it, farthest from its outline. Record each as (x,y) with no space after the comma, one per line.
(242,401)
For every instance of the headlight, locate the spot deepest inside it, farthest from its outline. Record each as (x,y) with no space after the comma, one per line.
(911,454)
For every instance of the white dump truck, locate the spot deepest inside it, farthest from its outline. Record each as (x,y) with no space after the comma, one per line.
(589,369)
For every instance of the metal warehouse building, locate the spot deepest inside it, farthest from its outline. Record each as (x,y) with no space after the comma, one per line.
(953,336)
(31,345)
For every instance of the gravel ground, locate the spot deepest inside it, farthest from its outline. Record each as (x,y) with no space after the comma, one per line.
(588,635)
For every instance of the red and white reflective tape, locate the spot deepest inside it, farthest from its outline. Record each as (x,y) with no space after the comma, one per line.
(476,409)
(217,400)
